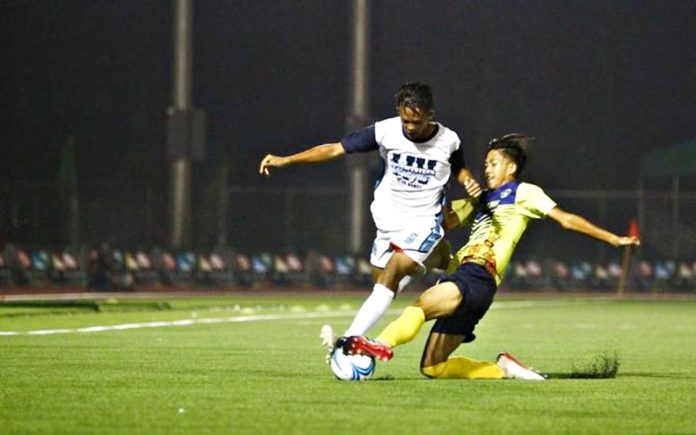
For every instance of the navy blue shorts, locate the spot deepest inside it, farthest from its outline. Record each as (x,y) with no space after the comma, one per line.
(477,287)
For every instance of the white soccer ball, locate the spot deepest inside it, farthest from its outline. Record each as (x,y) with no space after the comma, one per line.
(351,367)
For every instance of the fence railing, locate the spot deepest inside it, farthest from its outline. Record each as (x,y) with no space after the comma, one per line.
(256,219)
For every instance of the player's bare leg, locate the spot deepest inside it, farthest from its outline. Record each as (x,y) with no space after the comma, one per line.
(383,292)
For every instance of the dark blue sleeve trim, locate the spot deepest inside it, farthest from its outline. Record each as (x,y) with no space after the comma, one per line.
(360,141)
(457,161)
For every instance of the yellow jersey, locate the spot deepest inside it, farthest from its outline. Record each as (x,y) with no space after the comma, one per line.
(498,219)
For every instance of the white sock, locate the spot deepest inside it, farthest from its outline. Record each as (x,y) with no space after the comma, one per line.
(372,309)
(408,279)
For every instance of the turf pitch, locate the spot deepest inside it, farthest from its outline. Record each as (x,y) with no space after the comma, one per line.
(212,373)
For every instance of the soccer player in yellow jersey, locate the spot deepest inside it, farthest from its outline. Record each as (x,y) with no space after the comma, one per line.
(498,216)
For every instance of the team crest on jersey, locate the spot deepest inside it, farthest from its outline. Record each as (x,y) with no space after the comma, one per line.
(410,170)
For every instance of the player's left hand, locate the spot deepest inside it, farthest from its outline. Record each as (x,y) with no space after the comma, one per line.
(472,188)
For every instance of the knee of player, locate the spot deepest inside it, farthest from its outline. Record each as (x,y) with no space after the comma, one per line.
(433,371)
(390,277)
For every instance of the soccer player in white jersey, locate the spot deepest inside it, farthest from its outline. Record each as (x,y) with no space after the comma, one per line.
(498,218)
(419,156)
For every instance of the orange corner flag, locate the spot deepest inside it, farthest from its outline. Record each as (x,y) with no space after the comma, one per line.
(633,229)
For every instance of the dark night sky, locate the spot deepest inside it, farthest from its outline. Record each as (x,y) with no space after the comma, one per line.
(597,82)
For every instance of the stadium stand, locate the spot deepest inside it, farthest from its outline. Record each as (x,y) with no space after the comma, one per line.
(242,269)
(685,278)
(186,268)
(32,268)
(261,269)
(5,271)
(320,270)
(143,269)
(559,274)
(345,271)
(114,269)
(296,269)
(167,267)
(215,270)
(67,269)
(643,280)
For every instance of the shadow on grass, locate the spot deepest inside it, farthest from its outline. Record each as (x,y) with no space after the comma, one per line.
(382,378)
(573,375)
(622,375)
(70,306)
(655,375)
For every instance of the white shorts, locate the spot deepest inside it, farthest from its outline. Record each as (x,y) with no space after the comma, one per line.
(417,243)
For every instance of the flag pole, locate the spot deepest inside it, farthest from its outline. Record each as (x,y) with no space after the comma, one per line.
(624,271)
(626,262)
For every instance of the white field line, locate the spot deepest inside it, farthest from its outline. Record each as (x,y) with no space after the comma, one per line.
(187,322)
(257,318)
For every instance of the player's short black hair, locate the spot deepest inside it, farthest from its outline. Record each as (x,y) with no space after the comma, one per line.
(514,146)
(415,95)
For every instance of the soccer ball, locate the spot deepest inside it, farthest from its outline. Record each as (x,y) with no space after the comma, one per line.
(351,367)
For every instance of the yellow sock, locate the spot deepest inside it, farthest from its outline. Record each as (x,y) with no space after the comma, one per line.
(403,329)
(459,367)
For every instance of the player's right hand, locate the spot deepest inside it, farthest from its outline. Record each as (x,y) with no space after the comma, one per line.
(627,241)
(268,162)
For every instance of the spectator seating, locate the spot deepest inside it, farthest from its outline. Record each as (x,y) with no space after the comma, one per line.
(363,273)
(67,269)
(243,272)
(119,276)
(5,271)
(32,268)
(345,270)
(261,268)
(186,267)
(685,276)
(215,270)
(108,268)
(296,269)
(143,269)
(643,276)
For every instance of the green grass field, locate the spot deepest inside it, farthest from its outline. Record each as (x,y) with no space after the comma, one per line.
(225,368)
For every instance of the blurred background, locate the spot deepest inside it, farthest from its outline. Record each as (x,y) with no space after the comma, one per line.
(91,97)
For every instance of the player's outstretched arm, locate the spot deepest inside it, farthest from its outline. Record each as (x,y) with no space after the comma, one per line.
(316,154)
(573,222)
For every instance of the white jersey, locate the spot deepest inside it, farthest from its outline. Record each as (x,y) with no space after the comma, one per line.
(408,199)
(415,174)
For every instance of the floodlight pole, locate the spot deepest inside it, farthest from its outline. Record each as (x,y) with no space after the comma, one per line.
(180,218)
(675,216)
(358,116)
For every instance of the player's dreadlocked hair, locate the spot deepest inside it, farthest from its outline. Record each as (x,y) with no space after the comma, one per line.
(415,95)
(514,146)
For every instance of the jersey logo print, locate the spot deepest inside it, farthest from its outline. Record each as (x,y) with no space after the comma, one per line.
(411,170)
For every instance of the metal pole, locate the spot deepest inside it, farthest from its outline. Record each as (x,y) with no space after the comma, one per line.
(602,213)
(182,99)
(675,217)
(641,204)
(223,203)
(360,60)
(357,117)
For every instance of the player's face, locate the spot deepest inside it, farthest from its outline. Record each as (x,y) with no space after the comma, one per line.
(498,169)
(416,123)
